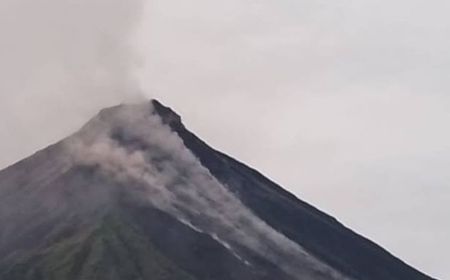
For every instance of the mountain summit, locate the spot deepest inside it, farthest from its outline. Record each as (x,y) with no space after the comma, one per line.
(135,195)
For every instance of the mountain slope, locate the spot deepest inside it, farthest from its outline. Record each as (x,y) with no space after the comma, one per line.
(135,195)
(319,233)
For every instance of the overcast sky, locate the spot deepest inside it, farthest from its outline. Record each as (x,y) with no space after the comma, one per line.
(345,103)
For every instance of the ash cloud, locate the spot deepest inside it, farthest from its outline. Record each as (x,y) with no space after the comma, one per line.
(131,144)
(61,61)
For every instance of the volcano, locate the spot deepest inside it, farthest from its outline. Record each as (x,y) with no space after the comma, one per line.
(134,195)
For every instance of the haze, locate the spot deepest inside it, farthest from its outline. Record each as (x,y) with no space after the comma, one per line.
(344,103)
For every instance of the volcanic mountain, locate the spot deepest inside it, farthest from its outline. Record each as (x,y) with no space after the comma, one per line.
(134,195)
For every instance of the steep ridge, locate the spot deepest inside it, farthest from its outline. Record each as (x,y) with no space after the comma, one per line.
(316,231)
(134,195)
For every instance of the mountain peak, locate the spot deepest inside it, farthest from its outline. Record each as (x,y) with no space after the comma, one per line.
(141,110)
(131,119)
(167,115)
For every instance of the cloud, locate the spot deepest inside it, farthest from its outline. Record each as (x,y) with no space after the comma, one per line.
(62,60)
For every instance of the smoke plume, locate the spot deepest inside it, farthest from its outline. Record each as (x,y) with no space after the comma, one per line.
(62,60)
(131,143)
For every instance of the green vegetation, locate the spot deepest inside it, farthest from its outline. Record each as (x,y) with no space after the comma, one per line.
(112,250)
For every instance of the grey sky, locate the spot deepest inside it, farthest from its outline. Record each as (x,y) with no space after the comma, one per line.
(345,103)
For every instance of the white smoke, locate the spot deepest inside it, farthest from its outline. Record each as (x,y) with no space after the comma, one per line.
(132,143)
(61,61)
